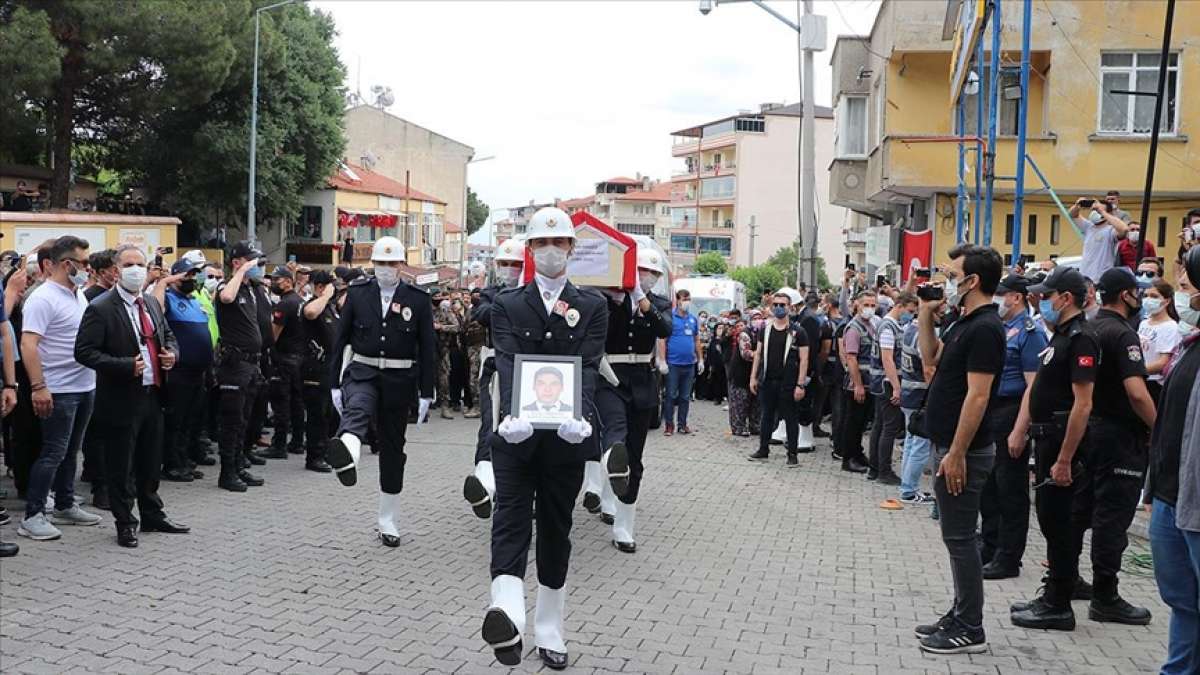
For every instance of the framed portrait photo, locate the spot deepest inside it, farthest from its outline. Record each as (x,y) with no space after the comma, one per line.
(547,390)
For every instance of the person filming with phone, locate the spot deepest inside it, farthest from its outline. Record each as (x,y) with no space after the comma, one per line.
(1101,228)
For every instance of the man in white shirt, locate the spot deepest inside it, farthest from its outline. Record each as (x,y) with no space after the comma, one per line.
(1100,231)
(63,391)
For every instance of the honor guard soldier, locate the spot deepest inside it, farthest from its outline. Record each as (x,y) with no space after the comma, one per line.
(1004,505)
(636,322)
(1060,402)
(238,355)
(547,316)
(480,486)
(320,321)
(286,354)
(383,359)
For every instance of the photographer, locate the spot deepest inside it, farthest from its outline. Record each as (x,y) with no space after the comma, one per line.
(1100,230)
(968,359)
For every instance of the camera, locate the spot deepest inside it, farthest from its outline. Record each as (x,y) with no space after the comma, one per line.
(1086,203)
(930,292)
(923,272)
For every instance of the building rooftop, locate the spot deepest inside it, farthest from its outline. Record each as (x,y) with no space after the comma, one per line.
(354,178)
(576,203)
(452,228)
(660,192)
(623,180)
(793,110)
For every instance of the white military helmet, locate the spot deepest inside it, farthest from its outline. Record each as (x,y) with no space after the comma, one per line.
(548,223)
(196,257)
(387,249)
(511,250)
(794,297)
(649,259)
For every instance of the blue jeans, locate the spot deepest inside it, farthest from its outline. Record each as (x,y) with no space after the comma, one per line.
(62,434)
(916,457)
(679,393)
(1177,571)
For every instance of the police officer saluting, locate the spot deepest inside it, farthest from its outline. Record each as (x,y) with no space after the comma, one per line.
(286,355)
(320,331)
(238,354)
(480,486)
(383,356)
(1005,502)
(636,321)
(547,316)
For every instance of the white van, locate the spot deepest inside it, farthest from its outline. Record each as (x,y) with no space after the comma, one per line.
(712,294)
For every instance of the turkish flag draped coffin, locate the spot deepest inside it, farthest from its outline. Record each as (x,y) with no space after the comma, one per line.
(915,251)
(604,256)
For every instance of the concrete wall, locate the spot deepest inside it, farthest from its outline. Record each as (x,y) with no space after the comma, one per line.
(437,164)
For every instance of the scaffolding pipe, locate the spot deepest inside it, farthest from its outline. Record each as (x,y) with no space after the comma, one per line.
(962,169)
(978,146)
(993,119)
(1022,122)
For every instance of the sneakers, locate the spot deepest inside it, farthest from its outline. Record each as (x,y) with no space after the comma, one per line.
(917,499)
(925,630)
(38,528)
(75,516)
(955,638)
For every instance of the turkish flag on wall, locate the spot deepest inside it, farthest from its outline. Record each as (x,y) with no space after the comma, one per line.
(915,251)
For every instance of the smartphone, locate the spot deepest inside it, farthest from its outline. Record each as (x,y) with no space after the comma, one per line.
(292,257)
(158,260)
(851,267)
(164,250)
(923,272)
(930,292)
(880,280)
(1086,203)
(1108,206)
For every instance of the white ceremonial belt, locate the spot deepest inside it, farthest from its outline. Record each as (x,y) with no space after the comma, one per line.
(486,352)
(382,363)
(629,358)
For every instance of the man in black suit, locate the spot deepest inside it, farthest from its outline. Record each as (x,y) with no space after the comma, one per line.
(548,387)
(547,316)
(125,338)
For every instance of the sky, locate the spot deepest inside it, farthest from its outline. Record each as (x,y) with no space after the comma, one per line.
(566,93)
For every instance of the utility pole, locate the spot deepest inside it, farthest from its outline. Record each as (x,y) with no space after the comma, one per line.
(1158,110)
(753,234)
(807,150)
(251,217)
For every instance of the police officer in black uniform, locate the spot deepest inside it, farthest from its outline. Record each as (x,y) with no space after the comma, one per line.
(320,322)
(547,316)
(1108,490)
(636,322)
(286,355)
(237,361)
(480,486)
(1059,405)
(383,359)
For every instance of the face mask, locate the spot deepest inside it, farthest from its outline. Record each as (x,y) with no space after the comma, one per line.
(779,312)
(998,301)
(31,268)
(187,286)
(550,260)
(866,313)
(1046,307)
(133,278)
(256,272)
(387,276)
(905,318)
(685,305)
(1187,315)
(79,277)
(507,276)
(647,280)
(445,305)
(1150,306)
(1135,308)
(210,284)
(1133,236)
(277,289)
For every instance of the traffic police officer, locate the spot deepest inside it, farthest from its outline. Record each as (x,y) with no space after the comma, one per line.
(1004,505)
(286,390)
(636,322)
(480,486)
(547,316)
(383,355)
(1060,401)
(238,353)
(1123,412)
(320,331)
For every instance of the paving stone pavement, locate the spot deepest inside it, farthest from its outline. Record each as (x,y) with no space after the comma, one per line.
(742,567)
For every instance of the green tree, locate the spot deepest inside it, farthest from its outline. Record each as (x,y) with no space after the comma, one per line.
(758,279)
(477,212)
(710,262)
(786,260)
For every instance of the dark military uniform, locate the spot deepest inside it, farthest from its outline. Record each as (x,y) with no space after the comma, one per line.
(320,417)
(1072,358)
(286,390)
(393,350)
(262,392)
(237,367)
(481,313)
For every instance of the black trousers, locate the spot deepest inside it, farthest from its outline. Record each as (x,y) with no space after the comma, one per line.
(93,454)
(369,394)
(854,421)
(889,422)
(184,394)
(287,401)
(775,400)
(520,482)
(1005,503)
(213,409)
(133,459)
(239,382)
(483,443)
(319,413)
(257,421)
(24,434)
(621,421)
(1053,505)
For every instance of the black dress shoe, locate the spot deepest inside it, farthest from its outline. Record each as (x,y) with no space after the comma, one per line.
(255,459)
(854,466)
(273,453)
(339,457)
(553,660)
(231,482)
(1117,610)
(177,476)
(477,496)
(165,525)
(792,462)
(625,546)
(204,460)
(889,479)
(318,465)
(389,540)
(997,569)
(760,454)
(1041,615)
(250,479)
(872,474)
(127,536)
(295,449)
(606,518)
(818,432)
(8,549)
(501,633)
(591,502)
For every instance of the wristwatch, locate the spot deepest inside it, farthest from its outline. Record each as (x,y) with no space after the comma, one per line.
(12,386)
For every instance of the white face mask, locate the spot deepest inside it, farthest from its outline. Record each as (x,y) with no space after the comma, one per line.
(685,305)
(387,276)
(550,260)
(998,301)
(1187,316)
(1134,235)
(866,313)
(951,292)
(507,276)
(133,278)
(79,278)
(210,284)
(647,280)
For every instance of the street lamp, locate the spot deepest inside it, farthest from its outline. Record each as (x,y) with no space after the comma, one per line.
(462,248)
(250,217)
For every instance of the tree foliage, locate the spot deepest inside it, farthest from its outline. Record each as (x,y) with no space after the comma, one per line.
(758,279)
(786,260)
(710,262)
(477,212)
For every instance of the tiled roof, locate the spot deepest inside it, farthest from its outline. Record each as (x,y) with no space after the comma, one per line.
(659,193)
(354,178)
(622,180)
(452,228)
(576,203)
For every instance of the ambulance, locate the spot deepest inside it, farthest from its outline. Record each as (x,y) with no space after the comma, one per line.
(712,294)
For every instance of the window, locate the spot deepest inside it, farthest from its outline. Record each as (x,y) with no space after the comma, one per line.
(722,245)
(665,210)
(683,242)
(1162,232)
(636,228)
(1031,238)
(1008,228)
(718,128)
(851,139)
(1006,123)
(308,225)
(1054,230)
(758,124)
(412,230)
(1136,71)
(683,217)
(717,188)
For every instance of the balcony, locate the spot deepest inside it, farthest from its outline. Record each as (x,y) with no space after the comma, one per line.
(855,237)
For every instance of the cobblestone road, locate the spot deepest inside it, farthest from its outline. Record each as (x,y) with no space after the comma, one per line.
(741,568)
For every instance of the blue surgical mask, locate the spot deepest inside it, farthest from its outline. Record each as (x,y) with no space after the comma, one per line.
(1046,307)
(256,272)
(779,312)
(1183,305)
(905,318)
(1150,306)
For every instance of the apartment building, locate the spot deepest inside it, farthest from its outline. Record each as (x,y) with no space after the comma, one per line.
(893,107)
(736,192)
(638,205)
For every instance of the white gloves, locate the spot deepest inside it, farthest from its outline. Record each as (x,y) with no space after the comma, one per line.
(517,430)
(423,410)
(663,367)
(574,431)
(336,394)
(699,367)
(637,294)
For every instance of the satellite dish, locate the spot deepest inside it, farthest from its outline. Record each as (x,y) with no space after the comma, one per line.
(383,96)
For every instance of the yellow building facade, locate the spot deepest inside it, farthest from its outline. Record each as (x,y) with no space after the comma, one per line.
(898,165)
